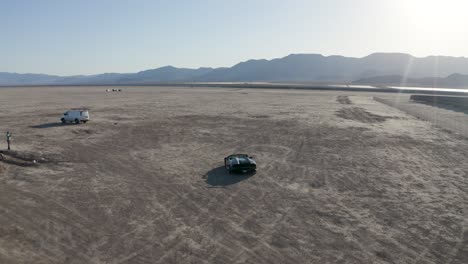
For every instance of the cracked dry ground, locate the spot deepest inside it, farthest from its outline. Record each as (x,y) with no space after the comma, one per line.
(340,179)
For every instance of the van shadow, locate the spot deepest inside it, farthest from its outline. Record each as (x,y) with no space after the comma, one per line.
(219,177)
(50,125)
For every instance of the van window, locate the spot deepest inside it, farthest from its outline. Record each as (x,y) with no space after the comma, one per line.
(81,113)
(66,113)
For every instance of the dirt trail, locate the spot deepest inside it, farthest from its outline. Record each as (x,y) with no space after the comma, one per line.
(359,114)
(342,99)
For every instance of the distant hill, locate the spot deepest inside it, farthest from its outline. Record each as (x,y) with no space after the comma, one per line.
(165,74)
(315,67)
(452,81)
(377,68)
(26,78)
(159,75)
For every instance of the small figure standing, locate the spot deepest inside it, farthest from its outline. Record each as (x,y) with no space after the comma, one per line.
(8,137)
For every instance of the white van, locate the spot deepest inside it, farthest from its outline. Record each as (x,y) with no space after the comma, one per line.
(76,115)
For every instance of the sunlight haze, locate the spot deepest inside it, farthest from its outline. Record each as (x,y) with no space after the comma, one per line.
(90,37)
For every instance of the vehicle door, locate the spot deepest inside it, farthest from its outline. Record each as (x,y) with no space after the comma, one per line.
(66,116)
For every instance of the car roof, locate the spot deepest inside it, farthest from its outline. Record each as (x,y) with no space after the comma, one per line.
(238,156)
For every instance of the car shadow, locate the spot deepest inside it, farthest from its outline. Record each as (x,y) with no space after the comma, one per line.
(50,125)
(219,177)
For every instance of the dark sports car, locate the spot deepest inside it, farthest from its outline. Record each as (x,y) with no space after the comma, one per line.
(239,163)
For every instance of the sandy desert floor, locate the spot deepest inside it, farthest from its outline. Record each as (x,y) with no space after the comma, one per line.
(341,178)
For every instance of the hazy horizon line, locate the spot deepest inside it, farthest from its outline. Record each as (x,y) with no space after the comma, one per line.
(221,67)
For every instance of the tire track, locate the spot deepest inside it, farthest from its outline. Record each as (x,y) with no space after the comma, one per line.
(360,115)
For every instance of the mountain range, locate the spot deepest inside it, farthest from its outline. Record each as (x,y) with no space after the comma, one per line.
(375,69)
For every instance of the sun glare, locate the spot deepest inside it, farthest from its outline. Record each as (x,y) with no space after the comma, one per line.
(434,15)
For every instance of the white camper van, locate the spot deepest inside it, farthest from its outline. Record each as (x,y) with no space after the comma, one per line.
(76,115)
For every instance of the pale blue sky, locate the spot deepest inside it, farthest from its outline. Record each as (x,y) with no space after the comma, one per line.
(95,36)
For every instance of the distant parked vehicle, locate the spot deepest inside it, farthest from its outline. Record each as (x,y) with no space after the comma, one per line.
(76,115)
(239,163)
